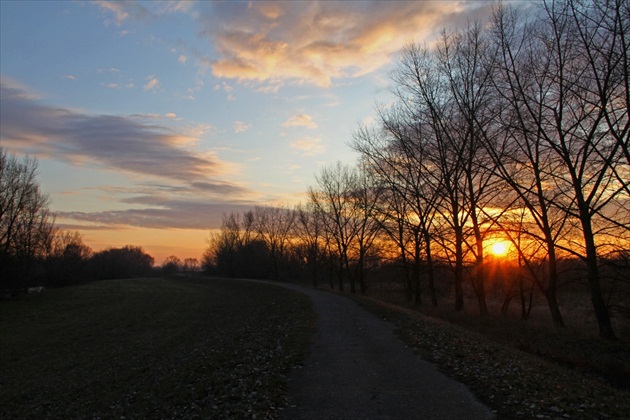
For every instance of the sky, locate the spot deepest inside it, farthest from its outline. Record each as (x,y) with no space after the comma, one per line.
(150,120)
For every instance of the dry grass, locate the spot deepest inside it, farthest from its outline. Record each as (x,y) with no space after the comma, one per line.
(577,345)
(520,369)
(151,348)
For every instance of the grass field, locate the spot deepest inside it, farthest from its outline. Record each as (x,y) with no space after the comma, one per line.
(151,348)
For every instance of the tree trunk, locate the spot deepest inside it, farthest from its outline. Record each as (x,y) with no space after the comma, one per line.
(601,310)
(521,291)
(480,287)
(360,272)
(405,264)
(459,271)
(556,316)
(331,281)
(430,269)
(353,288)
(416,272)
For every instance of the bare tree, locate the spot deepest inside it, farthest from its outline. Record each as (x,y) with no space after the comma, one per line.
(171,265)
(120,263)
(423,87)
(26,224)
(568,93)
(522,161)
(67,259)
(467,60)
(236,249)
(602,31)
(274,226)
(451,93)
(395,155)
(309,232)
(334,200)
(367,220)
(190,265)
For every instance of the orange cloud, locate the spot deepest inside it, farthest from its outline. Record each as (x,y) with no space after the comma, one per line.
(269,10)
(302,120)
(318,42)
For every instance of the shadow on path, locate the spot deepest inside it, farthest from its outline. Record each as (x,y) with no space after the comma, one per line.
(359,369)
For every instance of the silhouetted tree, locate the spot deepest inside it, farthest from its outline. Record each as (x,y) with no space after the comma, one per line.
(274,226)
(26,223)
(310,246)
(566,83)
(367,220)
(120,263)
(190,265)
(67,260)
(236,250)
(395,153)
(448,91)
(171,265)
(333,200)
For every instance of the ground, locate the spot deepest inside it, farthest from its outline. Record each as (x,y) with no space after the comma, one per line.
(226,349)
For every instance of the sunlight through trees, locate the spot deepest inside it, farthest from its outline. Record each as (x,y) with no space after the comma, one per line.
(517,129)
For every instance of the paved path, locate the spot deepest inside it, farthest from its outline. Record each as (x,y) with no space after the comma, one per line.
(359,369)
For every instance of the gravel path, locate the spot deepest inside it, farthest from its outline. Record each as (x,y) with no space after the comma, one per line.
(359,369)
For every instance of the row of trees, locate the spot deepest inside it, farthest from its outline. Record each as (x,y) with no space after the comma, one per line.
(254,244)
(518,128)
(35,253)
(172,265)
(69,261)
(515,129)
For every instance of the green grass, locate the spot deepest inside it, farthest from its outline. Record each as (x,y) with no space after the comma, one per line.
(151,348)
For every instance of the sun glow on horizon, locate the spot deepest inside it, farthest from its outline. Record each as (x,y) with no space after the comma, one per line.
(500,248)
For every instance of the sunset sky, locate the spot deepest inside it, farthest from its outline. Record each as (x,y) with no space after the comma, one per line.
(152,119)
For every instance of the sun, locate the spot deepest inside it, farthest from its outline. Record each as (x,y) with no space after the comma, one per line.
(499,248)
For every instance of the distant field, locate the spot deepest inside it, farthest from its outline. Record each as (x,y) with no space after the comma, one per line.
(151,348)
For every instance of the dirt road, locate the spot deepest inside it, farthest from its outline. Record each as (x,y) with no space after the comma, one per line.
(359,369)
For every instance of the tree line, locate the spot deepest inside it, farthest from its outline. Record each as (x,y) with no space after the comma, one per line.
(33,252)
(514,129)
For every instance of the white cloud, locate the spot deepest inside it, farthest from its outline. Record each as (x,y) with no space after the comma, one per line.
(122,10)
(302,120)
(152,84)
(116,8)
(173,6)
(309,146)
(108,70)
(240,126)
